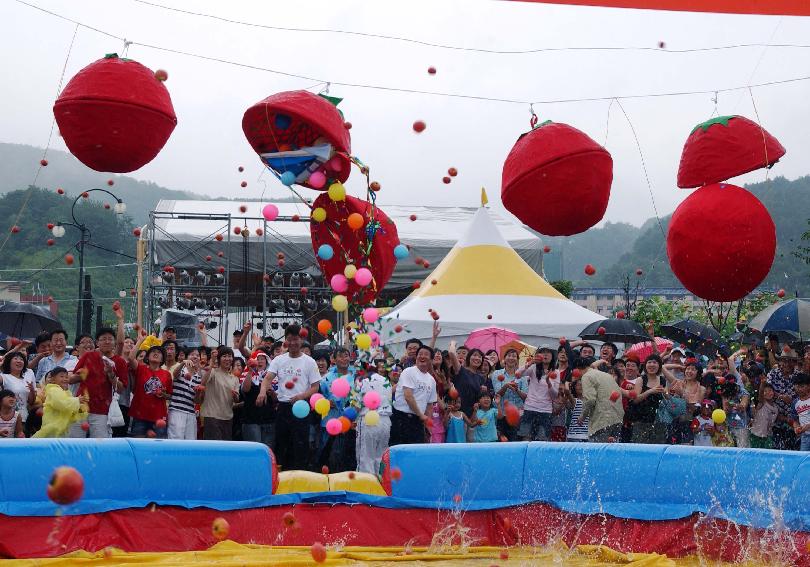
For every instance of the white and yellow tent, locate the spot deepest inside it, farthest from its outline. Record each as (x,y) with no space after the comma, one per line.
(483,276)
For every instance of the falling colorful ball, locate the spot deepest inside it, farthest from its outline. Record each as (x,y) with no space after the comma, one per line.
(325,252)
(340,303)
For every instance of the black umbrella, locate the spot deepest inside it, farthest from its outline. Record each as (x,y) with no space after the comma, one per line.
(695,336)
(757,339)
(26,321)
(616,331)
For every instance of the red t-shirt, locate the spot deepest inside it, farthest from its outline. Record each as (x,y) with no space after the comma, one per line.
(145,404)
(97,386)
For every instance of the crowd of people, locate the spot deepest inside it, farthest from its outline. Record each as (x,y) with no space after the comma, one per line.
(112,385)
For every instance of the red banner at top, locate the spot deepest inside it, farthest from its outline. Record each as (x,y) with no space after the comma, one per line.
(760,7)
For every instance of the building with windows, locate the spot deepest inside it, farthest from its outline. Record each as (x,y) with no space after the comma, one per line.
(608,300)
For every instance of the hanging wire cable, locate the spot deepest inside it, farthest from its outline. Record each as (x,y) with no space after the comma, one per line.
(459,47)
(33,184)
(426,92)
(643,167)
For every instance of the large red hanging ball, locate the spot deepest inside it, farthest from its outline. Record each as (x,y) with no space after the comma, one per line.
(557,180)
(347,244)
(114,115)
(725,147)
(290,120)
(721,242)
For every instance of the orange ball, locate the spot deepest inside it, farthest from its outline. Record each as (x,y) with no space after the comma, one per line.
(324,326)
(345,423)
(355,221)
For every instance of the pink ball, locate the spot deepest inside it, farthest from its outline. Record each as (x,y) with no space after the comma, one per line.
(363,277)
(270,212)
(375,338)
(317,180)
(314,399)
(370,315)
(339,283)
(372,400)
(334,427)
(340,388)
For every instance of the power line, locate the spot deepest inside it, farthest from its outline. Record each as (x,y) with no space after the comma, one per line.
(427,92)
(463,48)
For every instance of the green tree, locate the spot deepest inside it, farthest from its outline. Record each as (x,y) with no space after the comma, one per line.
(565,287)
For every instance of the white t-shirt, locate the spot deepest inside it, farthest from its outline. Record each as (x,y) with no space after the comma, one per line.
(20,388)
(295,375)
(421,383)
(381,385)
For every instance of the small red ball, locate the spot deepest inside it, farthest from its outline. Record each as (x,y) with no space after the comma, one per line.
(412,217)
(110,182)
(43,162)
(221,269)
(347,125)
(589,270)
(161,75)
(431,70)
(50,242)
(546,249)
(241,169)
(601,331)
(60,191)
(780,293)
(136,232)
(242,208)
(620,315)
(446,180)
(243,184)
(452,172)
(419,126)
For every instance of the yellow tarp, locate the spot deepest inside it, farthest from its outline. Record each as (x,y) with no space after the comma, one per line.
(228,553)
(292,482)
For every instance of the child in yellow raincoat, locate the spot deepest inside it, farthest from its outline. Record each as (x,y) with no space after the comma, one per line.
(61,407)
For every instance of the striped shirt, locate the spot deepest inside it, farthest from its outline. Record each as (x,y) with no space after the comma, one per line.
(183,392)
(575,430)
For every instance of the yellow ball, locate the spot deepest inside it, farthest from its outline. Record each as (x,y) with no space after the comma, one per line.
(372,418)
(319,214)
(718,416)
(363,341)
(337,192)
(349,271)
(322,406)
(340,303)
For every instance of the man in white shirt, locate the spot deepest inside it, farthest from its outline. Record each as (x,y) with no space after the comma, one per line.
(372,440)
(413,400)
(298,379)
(58,356)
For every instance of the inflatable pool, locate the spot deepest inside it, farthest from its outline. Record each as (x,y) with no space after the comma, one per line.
(467,502)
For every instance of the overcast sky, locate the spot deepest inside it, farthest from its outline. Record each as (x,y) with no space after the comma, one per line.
(474,136)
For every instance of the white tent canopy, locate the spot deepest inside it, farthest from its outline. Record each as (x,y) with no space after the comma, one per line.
(483,282)
(184,232)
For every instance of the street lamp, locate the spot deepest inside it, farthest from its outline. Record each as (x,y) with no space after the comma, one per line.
(59,231)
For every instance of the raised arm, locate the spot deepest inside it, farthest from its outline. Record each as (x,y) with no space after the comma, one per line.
(119,330)
(243,339)
(436,332)
(451,355)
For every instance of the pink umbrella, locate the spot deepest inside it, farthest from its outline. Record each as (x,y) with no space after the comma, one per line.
(490,338)
(643,350)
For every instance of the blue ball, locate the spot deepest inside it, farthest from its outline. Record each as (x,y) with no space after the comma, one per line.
(288,178)
(350,414)
(300,409)
(401,252)
(283,121)
(325,252)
